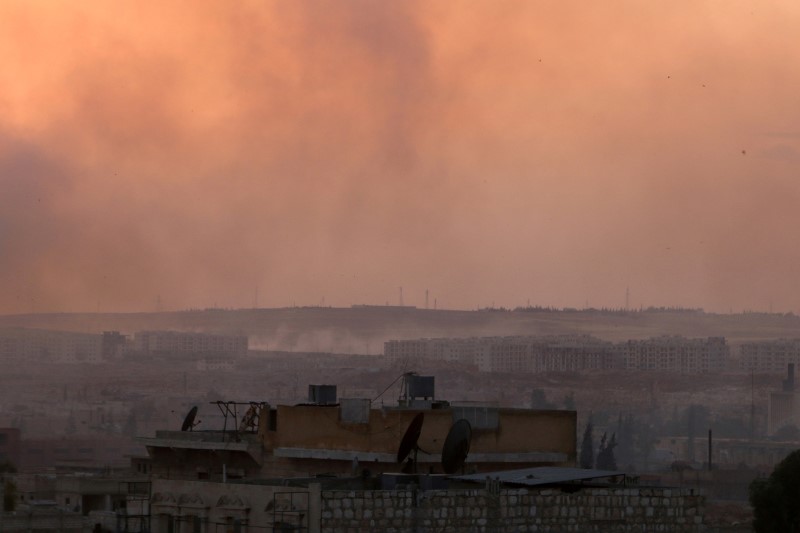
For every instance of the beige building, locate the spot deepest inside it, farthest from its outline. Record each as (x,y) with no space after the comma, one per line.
(23,344)
(306,440)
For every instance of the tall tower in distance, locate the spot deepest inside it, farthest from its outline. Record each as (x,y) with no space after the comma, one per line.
(401,296)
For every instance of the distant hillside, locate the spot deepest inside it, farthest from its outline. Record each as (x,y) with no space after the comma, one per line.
(364,329)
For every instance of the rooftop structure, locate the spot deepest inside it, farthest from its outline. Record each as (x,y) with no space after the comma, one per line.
(349,436)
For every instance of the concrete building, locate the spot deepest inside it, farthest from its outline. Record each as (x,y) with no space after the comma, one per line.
(674,354)
(336,439)
(216,364)
(178,342)
(769,356)
(340,436)
(528,354)
(23,344)
(568,353)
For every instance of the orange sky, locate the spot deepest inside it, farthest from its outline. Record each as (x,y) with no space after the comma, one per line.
(488,151)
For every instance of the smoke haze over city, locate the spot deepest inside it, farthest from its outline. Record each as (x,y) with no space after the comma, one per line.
(196,153)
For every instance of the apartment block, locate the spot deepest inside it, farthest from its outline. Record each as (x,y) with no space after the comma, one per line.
(770,356)
(674,354)
(568,353)
(23,344)
(179,342)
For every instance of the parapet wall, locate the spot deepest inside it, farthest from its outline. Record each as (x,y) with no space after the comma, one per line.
(596,510)
(42,521)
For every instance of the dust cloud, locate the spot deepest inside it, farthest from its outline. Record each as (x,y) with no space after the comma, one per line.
(326,152)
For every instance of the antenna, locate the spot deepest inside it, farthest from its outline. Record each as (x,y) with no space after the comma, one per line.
(409,441)
(426,298)
(627,298)
(752,405)
(188,421)
(456,446)
(401,296)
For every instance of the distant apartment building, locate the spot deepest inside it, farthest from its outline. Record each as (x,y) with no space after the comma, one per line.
(215,364)
(23,344)
(178,342)
(568,353)
(769,356)
(674,354)
(530,354)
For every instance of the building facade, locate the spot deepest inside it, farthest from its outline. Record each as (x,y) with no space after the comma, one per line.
(23,344)
(180,342)
(569,353)
(769,356)
(529,354)
(674,354)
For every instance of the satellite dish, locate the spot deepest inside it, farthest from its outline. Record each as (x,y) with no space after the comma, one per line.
(410,438)
(188,422)
(456,446)
(249,420)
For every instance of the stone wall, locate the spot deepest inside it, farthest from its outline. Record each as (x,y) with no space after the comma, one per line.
(596,510)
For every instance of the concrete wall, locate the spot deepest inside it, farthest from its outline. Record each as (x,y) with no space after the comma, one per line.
(42,521)
(489,509)
(550,510)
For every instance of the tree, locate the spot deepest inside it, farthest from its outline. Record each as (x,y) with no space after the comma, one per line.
(774,499)
(539,400)
(605,456)
(9,496)
(569,401)
(625,449)
(587,447)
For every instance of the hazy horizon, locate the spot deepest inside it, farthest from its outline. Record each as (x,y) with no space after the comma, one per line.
(493,153)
